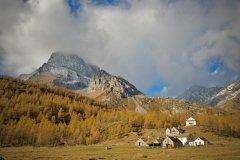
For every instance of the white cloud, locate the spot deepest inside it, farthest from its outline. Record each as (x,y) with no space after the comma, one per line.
(145,42)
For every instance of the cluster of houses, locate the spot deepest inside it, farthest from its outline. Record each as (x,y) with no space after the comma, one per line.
(175,137)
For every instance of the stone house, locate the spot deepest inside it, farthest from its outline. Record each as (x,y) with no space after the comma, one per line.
(200,141)
(174,131)
(141,142)
(171,142)
(185,138)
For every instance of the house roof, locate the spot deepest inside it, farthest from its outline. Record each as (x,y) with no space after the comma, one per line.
(179,135)
(174,139)
(202,138)
(190,119)
(179,129)
(183,135)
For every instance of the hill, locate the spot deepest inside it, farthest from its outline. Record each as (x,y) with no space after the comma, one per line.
(38,114)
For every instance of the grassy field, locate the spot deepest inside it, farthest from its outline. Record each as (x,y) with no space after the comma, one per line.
(222,148)
(229,150)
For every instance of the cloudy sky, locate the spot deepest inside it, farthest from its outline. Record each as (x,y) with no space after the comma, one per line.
(161,46)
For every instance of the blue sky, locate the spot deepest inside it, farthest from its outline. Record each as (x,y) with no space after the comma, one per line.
(215,65)
(74,6)
(161,46)
(158,88)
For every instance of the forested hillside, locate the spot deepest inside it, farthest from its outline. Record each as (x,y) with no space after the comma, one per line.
(37,114)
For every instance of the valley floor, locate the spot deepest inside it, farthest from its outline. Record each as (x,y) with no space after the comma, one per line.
(224,149)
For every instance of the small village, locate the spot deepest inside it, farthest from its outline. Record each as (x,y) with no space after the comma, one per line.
(175,137)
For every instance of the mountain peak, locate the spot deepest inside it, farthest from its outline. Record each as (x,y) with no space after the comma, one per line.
(72,72)
(73,62)
(66,70)
(58,56)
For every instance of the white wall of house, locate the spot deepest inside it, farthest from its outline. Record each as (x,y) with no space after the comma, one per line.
(168,131)
(191,122)
(199,142)
(191,143)
(183,140)
(186,139)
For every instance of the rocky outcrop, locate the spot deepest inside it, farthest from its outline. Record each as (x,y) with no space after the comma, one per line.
(103,81)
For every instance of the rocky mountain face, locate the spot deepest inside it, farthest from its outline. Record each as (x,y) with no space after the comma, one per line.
(103,81)
(213,96)
(226,94)
(72,72)
(69,71)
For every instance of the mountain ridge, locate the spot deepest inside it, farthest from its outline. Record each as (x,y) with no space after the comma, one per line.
(213,95)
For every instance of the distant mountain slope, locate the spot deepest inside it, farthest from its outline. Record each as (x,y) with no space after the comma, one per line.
(213,96)
(170,105)
(231,105)
(227,93)
(200,94)
(72,72)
